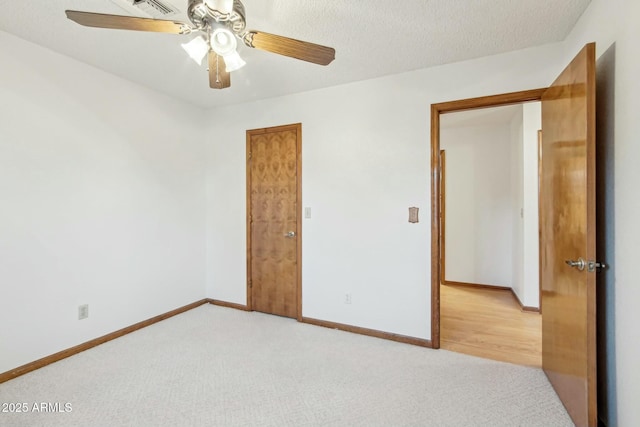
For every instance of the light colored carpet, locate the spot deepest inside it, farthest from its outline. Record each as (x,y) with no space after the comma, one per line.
(215,366)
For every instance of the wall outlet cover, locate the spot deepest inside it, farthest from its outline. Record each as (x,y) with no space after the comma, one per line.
(83,311)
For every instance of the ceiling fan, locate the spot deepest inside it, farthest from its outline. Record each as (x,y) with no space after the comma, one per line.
(220,24)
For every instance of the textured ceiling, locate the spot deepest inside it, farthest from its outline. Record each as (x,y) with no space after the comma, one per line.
(372,38)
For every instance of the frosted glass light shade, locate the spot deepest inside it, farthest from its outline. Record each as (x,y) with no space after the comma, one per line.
(197,49)
(224,43)
(233,61)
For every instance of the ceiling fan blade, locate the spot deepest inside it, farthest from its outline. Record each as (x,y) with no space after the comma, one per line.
(293,48)
(219,77)
(117,22)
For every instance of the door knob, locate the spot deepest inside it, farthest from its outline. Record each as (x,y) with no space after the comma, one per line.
(595,266)
(579,264)
(290,234)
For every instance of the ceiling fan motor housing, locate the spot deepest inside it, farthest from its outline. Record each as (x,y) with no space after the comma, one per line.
(204,16)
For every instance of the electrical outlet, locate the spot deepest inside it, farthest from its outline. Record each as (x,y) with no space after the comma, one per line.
(347,298)
(83,311)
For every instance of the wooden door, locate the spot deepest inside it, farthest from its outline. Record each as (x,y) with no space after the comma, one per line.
(568,234)
(273,223)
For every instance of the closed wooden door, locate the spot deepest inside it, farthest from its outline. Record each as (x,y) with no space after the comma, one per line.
(273,230)
(567,197)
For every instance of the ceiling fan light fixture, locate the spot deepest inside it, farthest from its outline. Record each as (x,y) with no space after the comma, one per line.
(223,41)
(197,49)
(234,62)
(225,44)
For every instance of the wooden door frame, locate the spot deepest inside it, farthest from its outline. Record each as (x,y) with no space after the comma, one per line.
(298,128)
(443,216)
(436,111)
(539,219)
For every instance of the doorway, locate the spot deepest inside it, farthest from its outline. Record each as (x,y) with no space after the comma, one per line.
(436,111)
(489,250)
(274,246)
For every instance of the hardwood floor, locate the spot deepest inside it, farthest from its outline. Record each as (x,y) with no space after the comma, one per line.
(489,323)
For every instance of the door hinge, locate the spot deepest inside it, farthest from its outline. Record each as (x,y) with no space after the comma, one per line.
(250,284)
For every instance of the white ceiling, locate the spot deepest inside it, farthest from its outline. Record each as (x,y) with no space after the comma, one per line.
(372,38)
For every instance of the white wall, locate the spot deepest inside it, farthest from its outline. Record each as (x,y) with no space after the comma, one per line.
(531,124)
(613,25)
(365,161)
(478,230)
(524,192)
(101,203)
(517,204)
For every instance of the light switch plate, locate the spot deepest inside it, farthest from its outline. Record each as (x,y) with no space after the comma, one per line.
(307,212)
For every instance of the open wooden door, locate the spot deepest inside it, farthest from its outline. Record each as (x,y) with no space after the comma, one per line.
(568,247)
